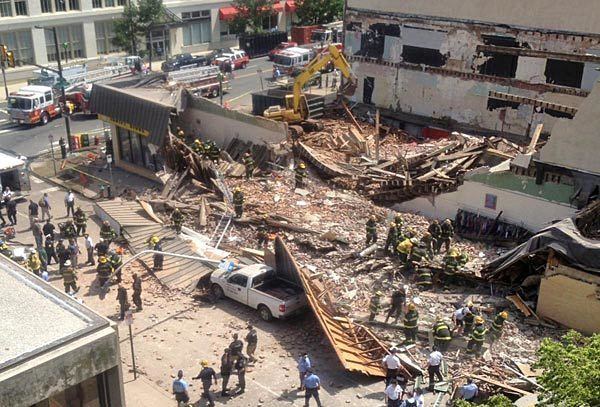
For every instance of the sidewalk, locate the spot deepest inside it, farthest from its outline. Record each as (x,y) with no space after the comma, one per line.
(142,392)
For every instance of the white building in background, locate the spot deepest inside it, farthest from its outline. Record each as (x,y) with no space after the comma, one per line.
(87,27)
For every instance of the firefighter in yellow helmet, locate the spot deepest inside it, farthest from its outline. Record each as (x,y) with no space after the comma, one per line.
(103,270)
(475,344)
(392,239)
(375,305)
(411,321)
(497,325)
(300,175)
(371,230)
(177,219)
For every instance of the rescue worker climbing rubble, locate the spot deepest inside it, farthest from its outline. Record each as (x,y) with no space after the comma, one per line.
(375,305)
(300,175)
(238,202)
(411,321)
(403,249)
(371,230)
(177,219)
(447,232)
(435,231)
(249,164)
(477,338)
(441,334)
(497,325)
(428,242)
(392,239)
(198,147)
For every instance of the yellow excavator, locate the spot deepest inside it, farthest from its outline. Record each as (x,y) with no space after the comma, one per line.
(295,111)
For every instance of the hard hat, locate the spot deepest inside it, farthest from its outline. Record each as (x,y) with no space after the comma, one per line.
(439,318)
(447,221)
(453,252)
(102,259)
(67,263)
(154,239)
(412,307)
(504,314)
(478,320)
(237,189)
(372,217)
(414,241)
(470,304)
(204,363)
(302,165)
(196,141)
(378,293)
(435,221)
(393,224)
(105,222)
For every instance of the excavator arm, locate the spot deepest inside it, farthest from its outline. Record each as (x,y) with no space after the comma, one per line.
(339,61)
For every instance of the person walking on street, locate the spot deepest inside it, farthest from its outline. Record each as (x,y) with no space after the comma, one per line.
(391,363)
(50,250)
(62,253)
(38,235)
(312,384)
(11,210)
(89,248)
(303,366)
(207,375)
(44,205)
(33,212)
(123,302)
(226,368)
(48,229)
(397,304)
(69,278)
(251,341)
(235,347)
(240,366)
(137,291)
(73,249)
(80,221)
(433,367)
(393,393)
(70,203)
(180,389)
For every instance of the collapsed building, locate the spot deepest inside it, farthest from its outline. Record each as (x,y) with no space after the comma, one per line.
(479,68)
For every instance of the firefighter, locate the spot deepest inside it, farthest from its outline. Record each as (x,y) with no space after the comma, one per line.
(446,235)
(69,278)
(238,202)
(34,263)
(397,303)
(5,250)
(371,229)
(198,147)
(429,243)
(107,233)
(411,320)
(214,152)
(177,219)
(475,344)
(392,239)
(441,334)
(116,261)
(399,222)
(157,258)
(375,305)
(180,134)
(262,232)
(403,249)
(469,318)
(436,233)
(451,264)
(103,270)
(497,325)
(80,221)
(417,253)
(69,231)
(300,175)
(249,164)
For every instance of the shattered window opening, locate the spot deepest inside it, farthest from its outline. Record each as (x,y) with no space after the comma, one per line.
(502,65)
(564,73)
(494,104)
(426,56)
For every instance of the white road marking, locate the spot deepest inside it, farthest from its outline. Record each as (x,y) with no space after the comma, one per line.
(3,120)
(5,131)
(51,189)
(3,111)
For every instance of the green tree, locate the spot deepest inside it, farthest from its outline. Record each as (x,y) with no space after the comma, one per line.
(571,373)
(138,19)
(314,12)
(250,15)
(494,401)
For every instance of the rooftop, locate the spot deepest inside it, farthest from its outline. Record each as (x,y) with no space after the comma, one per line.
(36,317)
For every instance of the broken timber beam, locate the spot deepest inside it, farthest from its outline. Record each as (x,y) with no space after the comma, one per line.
(501,385)
(351,116)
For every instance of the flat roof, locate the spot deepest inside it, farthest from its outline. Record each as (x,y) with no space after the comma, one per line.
(9,161)
(36,317)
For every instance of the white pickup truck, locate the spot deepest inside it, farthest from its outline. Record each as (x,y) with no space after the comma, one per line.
(262,288)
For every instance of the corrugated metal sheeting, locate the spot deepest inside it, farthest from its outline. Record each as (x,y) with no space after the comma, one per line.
(120,106)
(357,348)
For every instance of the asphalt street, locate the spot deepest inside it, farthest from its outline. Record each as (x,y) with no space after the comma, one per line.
(30,140)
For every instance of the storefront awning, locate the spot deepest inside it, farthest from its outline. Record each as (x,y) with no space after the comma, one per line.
(227,13)
(290,6)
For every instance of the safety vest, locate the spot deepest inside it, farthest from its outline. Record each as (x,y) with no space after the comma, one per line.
(410,319)
(498,323)
(106,232)
(104,269)
(405,246)
(469,319)
(80,219)
(34,263)
(300,174)
(424,277)
(177,218)
(69,275)
(478,334)
(249,161)
(441,332)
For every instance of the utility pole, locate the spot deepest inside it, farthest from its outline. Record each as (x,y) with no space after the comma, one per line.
(3,62)
(133,44)
(62,84)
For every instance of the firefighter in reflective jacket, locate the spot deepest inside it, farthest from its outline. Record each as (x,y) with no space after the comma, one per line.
(399,223)
(371,229)
(69,276)
(107,232)
(375,305)
(392,239)
(497,324)
(446,235)
(116,261)
(441,334)
(300,175)
(411,320)
(424,278)
(5,250)
(238,202)
(477,337)
(34,264)
(80,221)
(451,264)
(103,270)
(249,164)
(177,219)
(469,318)
(428,242)
(403,249)
(436,233)
(417,253)
(198,147)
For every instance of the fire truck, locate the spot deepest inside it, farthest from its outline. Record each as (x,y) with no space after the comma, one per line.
(202,81)
(33,104)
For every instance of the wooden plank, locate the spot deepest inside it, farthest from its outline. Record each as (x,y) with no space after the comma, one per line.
(520,304)
(501,385)
(534,138)
(377,135)
(351,116)
(498,153)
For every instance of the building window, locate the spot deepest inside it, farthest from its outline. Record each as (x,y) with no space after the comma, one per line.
(20,43)
(564,73)
(121,2)
(5,8)
(109,3)
(105,33)
(491,201)
(97,3)
(270,22)
(197,30)
(60,5)
(46,6)
(134,149)
(72,35)
(21,7)
(74,5)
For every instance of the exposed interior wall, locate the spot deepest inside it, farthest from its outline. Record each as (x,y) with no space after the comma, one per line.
(575,143)
(517,208)
(567,15)
(570,301)
(211,121)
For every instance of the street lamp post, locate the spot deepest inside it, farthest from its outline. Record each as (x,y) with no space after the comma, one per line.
(62,84)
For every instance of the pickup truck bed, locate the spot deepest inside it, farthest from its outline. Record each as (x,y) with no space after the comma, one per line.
(278,288)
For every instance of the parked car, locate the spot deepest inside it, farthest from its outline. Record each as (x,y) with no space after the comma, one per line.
(235,60)
(281,47)
(184,60)
(262,288)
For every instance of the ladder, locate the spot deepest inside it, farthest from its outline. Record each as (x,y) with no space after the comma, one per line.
(220,230)
(97,75)
(190,75)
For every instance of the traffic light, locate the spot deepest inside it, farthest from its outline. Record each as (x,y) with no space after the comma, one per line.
(10,58)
